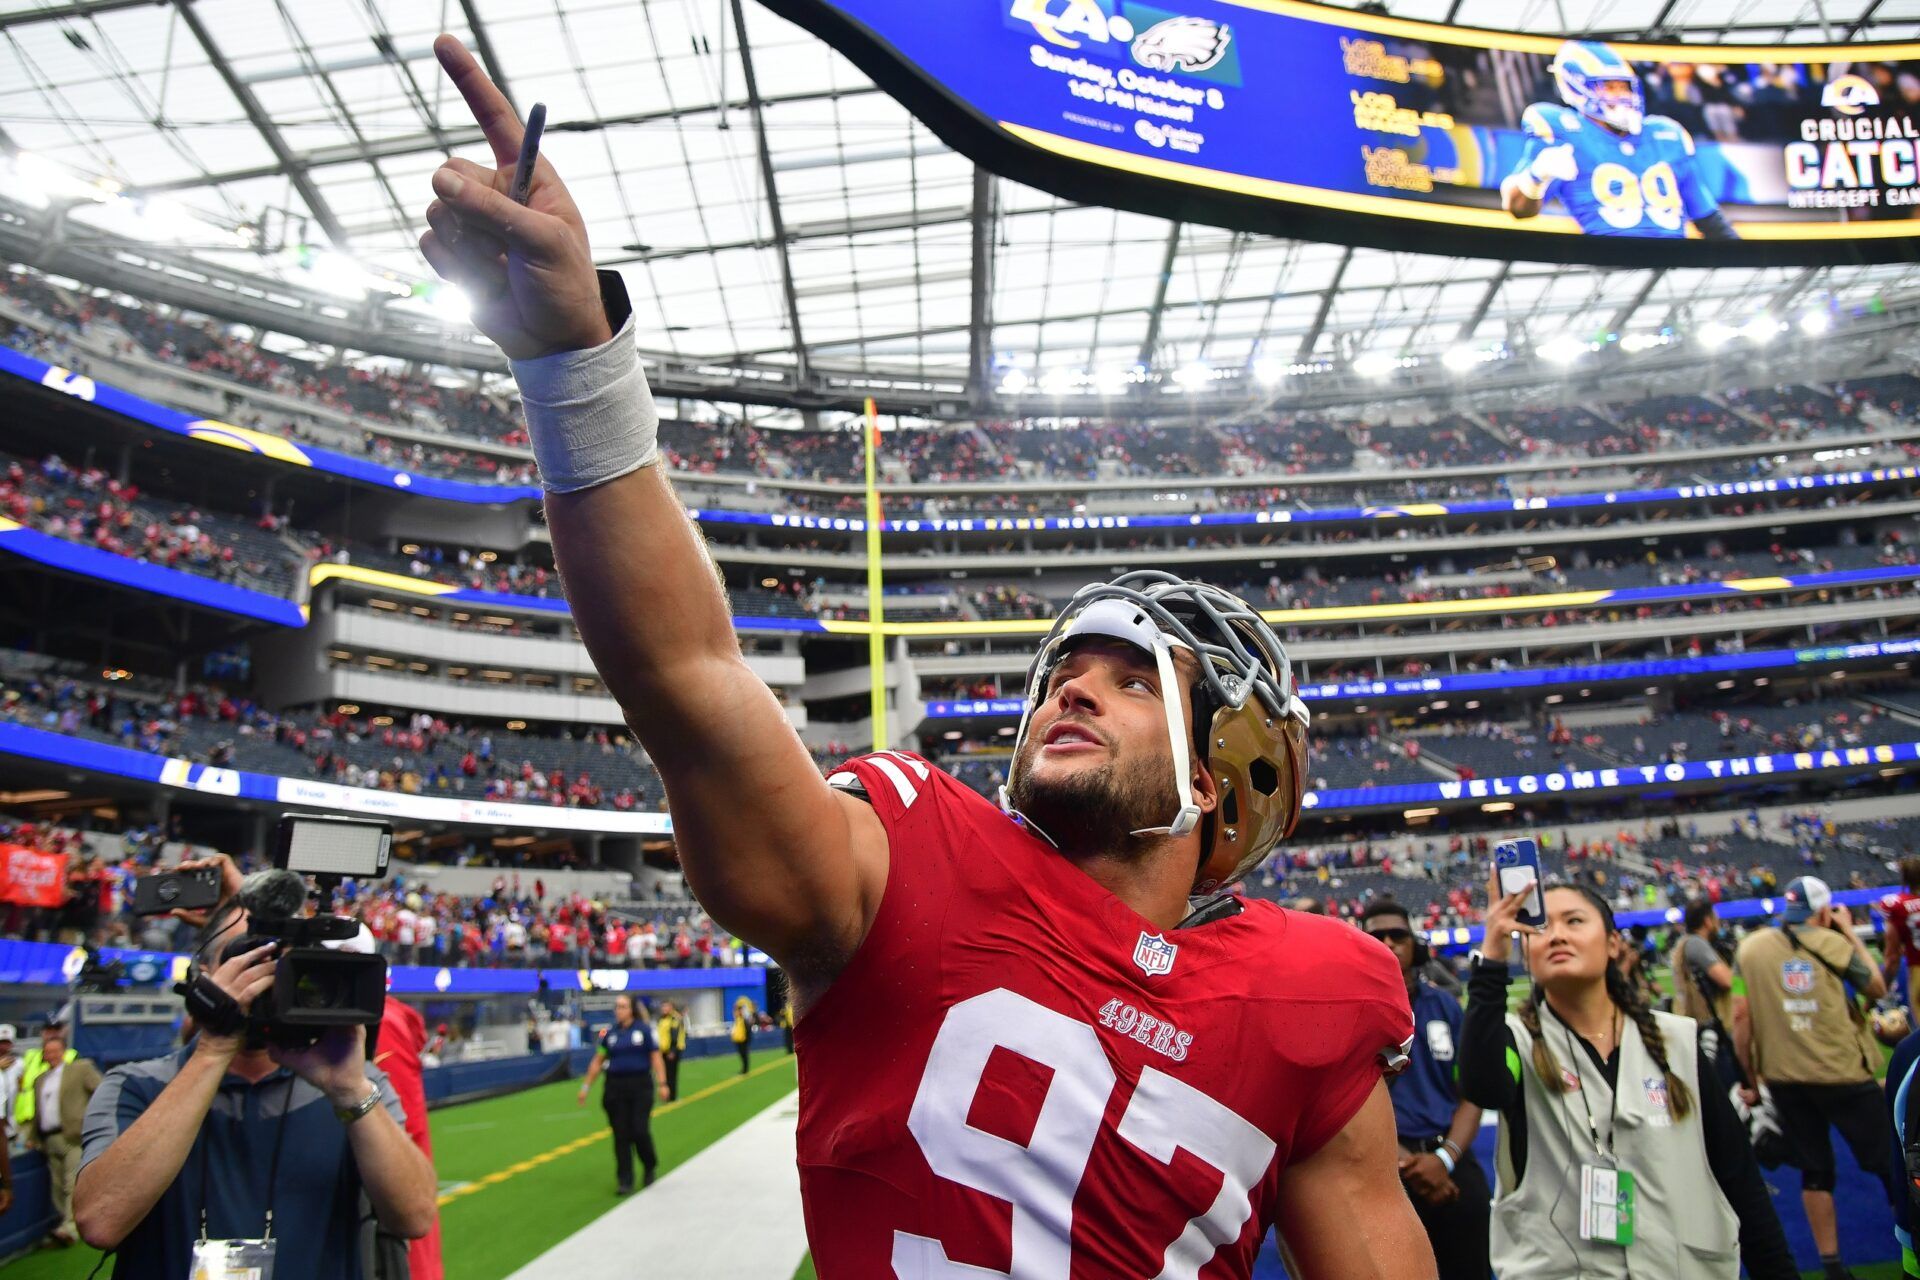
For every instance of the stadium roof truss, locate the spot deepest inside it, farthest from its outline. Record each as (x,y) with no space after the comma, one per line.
(790,234)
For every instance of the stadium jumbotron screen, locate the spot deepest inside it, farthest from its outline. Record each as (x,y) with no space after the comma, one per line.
(1304,120)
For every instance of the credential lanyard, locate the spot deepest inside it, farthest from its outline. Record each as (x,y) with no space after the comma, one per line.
(273,1166)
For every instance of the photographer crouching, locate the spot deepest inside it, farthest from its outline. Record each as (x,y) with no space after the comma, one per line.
(252,1145)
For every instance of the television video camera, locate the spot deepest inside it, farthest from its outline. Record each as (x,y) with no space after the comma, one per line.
(316,986)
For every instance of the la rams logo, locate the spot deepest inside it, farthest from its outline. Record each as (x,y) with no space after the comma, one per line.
(1796,976)
(1182,44)
(1849,95)
(1066,24)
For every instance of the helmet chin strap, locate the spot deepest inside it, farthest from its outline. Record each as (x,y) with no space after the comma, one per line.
(1006,807)
(1188,818)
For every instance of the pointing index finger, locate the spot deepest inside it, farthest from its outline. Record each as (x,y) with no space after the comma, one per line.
(490,108)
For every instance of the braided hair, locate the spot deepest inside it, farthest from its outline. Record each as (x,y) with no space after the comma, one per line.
(1630,1002)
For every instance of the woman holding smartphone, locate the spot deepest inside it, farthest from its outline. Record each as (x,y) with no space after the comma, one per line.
(1613,1161)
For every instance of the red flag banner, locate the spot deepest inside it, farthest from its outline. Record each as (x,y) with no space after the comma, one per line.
(32,878)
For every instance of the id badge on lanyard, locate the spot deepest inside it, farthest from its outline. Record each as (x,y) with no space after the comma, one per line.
(1606,1201)
(232,1260)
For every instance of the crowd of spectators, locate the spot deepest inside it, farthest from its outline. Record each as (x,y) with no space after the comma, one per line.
(1647,865)
(517,923)
(580,767)
(1086,450)
(85,504)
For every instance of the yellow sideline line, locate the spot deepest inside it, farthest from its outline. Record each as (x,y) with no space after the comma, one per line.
(499,1176)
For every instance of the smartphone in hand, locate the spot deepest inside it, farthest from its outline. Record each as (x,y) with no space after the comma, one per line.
(1516,864)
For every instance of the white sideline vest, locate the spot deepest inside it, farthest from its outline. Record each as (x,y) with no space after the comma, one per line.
(1684,1229)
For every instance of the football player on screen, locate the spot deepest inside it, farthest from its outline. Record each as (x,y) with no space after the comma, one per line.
(1617,170)
(1023,1050)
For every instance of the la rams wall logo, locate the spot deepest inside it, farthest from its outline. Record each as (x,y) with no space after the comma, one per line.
(1154,954)
(1796,976)
(1070,24)
(1849,95)
(1182,44)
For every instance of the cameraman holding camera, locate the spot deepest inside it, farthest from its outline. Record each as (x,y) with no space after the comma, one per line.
(235,1141)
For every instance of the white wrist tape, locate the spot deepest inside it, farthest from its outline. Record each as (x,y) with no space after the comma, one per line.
(589,413)
(1529,184)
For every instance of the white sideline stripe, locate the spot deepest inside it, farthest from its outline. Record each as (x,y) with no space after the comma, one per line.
(747,1181)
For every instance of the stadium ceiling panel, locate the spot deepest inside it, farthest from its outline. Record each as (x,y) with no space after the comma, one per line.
(291,143)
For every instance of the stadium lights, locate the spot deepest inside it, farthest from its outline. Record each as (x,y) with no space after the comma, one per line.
(1633,343)
(451,305)
(1111,379)
(1461,359)
(1762,329)
(1193,376)
(1268,371)
(1014,381)
(341,276)
(42,182)
(1815,323)
(1564,349)
(1716,334)
(1374,364)
(1057,382)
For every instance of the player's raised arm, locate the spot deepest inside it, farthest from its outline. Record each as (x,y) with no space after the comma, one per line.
(775,855)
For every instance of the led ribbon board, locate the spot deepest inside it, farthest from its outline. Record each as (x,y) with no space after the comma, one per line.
(1304,120)
(1872,651)
(48,747)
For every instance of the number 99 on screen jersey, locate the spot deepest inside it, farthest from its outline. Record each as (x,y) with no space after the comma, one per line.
(1642,184)
(1018,1075)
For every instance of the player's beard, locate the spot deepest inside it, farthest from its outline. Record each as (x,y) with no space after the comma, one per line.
(1094,812)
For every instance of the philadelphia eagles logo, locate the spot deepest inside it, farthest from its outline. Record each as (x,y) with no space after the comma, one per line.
(1182,44)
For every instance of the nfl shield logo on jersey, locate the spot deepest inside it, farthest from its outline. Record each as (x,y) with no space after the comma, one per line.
(1797,976)
(1154,954)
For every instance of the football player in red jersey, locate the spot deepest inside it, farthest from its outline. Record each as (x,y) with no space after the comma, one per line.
(1901,911)
(1023,1052)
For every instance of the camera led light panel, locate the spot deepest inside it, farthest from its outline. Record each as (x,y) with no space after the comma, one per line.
(334,846)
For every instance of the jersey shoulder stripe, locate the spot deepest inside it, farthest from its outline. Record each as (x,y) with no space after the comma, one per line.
(1551,122)
(900,782)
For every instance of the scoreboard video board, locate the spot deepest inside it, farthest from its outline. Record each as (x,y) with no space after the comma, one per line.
(1309,120)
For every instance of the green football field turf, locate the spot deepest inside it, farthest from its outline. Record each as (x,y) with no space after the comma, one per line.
(520,1173)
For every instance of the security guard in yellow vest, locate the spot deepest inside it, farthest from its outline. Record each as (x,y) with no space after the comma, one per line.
(35,1065)
(742,1032)
(672,1030)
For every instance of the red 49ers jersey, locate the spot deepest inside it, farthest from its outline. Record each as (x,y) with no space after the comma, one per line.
(1018,1075)
(1902,913)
